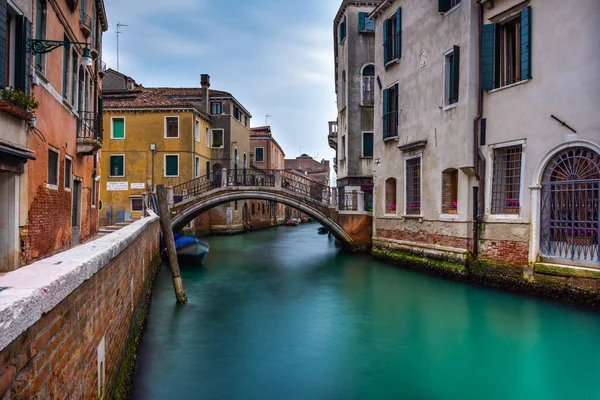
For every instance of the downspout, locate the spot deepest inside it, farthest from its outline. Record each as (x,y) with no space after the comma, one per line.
(478,192)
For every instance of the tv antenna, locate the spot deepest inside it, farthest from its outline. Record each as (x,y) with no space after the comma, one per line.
(267,119)
(118,32)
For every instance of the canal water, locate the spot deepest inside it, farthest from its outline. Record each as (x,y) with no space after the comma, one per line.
(284,314)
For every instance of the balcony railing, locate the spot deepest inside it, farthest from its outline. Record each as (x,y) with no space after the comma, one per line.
(390,125)
(89,132)
(355,201)
(85,22)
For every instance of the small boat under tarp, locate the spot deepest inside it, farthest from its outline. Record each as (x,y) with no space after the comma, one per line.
(322,230)
(187,246)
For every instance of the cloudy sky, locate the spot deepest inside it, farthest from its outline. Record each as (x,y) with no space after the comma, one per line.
(274,56)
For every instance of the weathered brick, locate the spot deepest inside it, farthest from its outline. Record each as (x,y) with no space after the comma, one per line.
(7,378)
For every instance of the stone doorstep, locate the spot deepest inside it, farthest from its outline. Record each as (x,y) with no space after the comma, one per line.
(566,270)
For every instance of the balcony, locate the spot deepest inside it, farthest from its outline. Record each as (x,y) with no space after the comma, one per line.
(89,133)
(85,22)
(101,67)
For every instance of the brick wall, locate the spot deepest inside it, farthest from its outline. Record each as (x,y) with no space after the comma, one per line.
(504,251)
(56,357)
(424,237)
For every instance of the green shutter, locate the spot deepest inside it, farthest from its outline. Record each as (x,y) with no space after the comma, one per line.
(386,56)
(361,21)
(386,97)
(22,58)
(208,168)
(116,166)
(399,33)
(172,165)
(2,43)
(488,55)
(454,75)
(65,78)
(444,5)
(526,43)
(39,25)
(368,144)
(118,128)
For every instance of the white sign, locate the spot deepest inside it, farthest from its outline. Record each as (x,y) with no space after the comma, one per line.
(138,186)
(116,186)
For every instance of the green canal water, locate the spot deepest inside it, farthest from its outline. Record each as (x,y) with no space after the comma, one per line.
(284,314)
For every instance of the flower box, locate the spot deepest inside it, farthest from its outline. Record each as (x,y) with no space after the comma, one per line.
(511,210)
(15,111)
(583,240)
(452,211)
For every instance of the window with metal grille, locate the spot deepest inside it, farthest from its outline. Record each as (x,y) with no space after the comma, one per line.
(413,186)
(390,196)
(390,112)
(68,172)
(52,168)
(506,182)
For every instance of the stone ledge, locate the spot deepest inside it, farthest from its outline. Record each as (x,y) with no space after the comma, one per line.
(29,292)
(425,249)
(566,271)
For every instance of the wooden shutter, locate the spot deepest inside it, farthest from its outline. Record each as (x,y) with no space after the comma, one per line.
(386,56)
(454,75)
(526,43)
(488,56)
(22,58)
(361,21)
(3,49)
(399,33)
(368,144)
(386,95)
(396,109)
(444,6)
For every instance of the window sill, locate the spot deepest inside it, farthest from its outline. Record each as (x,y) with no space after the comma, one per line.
(389,216)
(116,176)
(67,189)
(220,147)
(503,218)
(509,86)
(51,187)
(413,216)
(117,138)
(366,157)
(175,137)
(370,105)
(367,32)
(450,11)
(390,138)
(389,63)
(449,217)
(451,106)
(171,176)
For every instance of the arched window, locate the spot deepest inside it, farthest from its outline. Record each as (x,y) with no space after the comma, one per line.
(368,85)
(390,196)
(450,191)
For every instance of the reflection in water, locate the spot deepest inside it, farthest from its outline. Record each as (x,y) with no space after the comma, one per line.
(282,314)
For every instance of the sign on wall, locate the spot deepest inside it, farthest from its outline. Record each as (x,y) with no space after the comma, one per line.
(117,186)
(138,186)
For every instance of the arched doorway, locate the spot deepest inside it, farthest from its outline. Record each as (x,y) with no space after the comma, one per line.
(570,216)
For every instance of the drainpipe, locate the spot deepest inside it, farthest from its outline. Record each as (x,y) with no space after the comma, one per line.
(478,193)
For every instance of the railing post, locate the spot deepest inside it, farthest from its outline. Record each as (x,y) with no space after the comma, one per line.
(170,196)
(224,177)
(361,201)
(278,179)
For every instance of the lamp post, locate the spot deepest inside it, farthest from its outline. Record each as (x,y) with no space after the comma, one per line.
(41,46)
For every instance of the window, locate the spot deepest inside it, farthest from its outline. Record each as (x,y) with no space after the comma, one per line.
(343,148)
(365,24)
(413,186)
(506,51)
(171,165)
(237,114)
(260,154)
(197,130)
(392,37)
(137,204)
(207,137)
(217,138)
(342,30)
(53,157)
(117,128)
(15,66)
(171,127)
(368,85)
(245,120)
(207,168)
(367,144)
(66,67)
(343,92)
(446,5)
(40,31)
(68,172)
(451,76)
(117,166)
(216,108)
(450,191)
(506,181)
(74,65)
(197,167)
(390,196)
(390,112)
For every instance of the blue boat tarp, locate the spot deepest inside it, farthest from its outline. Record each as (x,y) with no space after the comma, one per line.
(184,241)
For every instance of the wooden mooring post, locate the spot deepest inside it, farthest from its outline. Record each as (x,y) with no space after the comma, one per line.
(167,231)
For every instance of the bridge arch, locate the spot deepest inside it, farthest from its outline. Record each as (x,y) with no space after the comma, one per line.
(193,208)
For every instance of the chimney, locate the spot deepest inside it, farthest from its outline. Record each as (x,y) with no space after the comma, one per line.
(205,82)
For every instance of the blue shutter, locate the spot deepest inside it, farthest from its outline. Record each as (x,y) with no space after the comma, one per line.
(386,95)
(399,32)
(361,21)
(488,35)
(444,5)
(385,46)
(367,144)
(3,49)
(526,43)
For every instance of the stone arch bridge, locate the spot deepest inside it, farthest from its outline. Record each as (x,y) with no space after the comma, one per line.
(190,199)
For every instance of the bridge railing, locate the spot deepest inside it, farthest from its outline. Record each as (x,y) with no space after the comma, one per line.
(196,187)
(251,177)
(306,187)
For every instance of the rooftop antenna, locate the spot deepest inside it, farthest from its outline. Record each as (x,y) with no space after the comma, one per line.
(118,32)
(267,119)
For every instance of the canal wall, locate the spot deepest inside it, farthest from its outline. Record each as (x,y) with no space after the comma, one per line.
(571,284)
(68,322)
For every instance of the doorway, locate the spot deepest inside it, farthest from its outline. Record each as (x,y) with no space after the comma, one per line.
(9,221)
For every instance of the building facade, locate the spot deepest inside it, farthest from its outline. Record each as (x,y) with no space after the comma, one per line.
(58,204)
(483,132)
(265,154)
(315,170)
(153,136)
(354,50)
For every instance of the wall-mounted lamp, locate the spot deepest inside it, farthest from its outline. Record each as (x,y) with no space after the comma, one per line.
(39,46)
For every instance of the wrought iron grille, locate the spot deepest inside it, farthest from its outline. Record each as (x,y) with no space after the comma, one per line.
(506,181)
(413,186)
(570,206)
(89,126)
(251,177)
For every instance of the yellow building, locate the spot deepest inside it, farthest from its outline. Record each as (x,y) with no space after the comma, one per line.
(152,136)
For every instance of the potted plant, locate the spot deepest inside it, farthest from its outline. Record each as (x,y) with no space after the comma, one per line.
(392,209)
(17,103)
(581,236)
(217,144)
(512,207)
(453,208)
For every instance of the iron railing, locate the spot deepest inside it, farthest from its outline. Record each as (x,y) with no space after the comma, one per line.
(89,126)
(355,201)
(251,177)
(85,22)
(306,187)
(196,187)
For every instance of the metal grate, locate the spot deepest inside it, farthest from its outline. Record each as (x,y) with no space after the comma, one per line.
(413,186)
(506,182)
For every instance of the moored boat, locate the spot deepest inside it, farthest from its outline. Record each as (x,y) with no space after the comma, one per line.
(187,246)
(291,222)
(322,230)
